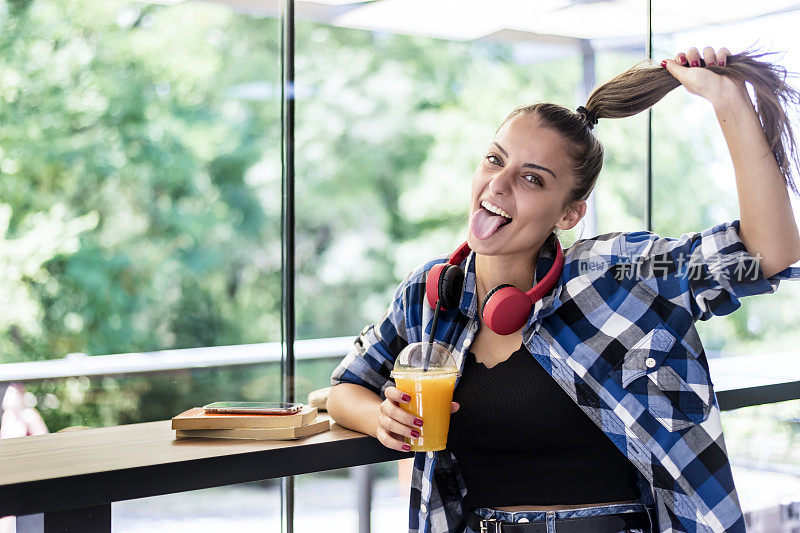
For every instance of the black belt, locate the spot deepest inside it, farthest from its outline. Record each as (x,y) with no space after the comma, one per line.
(611,523)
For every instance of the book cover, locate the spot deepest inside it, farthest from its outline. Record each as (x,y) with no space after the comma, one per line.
(317,426)
(197,418)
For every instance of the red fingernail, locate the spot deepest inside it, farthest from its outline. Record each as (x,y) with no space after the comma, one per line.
(682,60)
(695,64)
(722,63)
(414,433)
(664,64)
(418,422)
(406,447)
(406,398)
(710,64)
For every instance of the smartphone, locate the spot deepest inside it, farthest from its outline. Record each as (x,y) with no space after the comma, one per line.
(265,408)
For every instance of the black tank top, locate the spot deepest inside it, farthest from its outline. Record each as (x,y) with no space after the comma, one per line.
(519,439)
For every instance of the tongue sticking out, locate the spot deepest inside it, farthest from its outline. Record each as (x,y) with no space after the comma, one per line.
(485,223)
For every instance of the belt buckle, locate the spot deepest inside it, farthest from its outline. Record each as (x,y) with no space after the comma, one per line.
(495,528)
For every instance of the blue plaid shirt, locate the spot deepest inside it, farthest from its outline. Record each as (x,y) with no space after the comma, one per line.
(617,333)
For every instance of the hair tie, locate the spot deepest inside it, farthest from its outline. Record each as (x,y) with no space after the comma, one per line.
(589,116)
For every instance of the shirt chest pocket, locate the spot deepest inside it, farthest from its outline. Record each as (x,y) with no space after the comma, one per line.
(667,379)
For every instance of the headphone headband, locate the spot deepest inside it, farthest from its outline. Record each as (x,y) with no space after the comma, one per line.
(460,254)
(539,289)
(505,308)
(543,287)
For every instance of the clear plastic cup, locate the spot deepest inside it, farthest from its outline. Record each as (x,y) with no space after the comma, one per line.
(431,391)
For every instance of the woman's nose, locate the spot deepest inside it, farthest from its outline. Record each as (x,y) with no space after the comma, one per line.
(501,182)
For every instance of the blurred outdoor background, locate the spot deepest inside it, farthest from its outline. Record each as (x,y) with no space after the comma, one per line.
(140,197)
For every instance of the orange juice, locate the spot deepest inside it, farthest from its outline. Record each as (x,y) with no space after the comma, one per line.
(431,396)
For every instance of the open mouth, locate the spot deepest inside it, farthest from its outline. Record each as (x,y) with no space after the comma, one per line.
(496,211)
(504,223)
(487,220)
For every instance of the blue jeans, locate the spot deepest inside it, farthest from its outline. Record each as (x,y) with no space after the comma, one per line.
(550,517)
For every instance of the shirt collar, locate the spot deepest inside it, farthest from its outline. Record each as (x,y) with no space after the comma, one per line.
(469,295)
(550,301)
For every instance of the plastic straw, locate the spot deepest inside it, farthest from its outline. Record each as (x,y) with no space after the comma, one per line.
(432,335)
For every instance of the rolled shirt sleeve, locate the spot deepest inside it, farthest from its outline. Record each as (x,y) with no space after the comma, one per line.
(374,351)
(706,273)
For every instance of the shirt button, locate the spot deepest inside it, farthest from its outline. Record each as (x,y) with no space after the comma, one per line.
(467,342)
(650,362)
(423,508)
(430,454)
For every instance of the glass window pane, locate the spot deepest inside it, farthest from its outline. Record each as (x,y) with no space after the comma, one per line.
(390,127)
(244,507)
(140,189)
(695,183)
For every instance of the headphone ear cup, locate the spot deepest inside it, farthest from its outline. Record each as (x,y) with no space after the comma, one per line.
(489,296)
(506,309)
(451,284)
(432,283)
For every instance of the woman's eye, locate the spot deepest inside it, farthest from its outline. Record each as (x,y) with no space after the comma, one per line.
(493,159)
(533,178)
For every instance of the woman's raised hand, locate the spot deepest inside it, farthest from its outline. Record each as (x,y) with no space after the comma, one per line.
(394,423)
(700,81)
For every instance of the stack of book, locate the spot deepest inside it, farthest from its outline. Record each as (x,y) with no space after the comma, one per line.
(196,422)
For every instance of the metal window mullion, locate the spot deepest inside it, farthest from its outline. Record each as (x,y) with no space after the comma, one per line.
(648,213)
(588,61)
(287,239)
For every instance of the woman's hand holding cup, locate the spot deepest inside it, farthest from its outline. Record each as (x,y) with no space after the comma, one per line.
(394,423)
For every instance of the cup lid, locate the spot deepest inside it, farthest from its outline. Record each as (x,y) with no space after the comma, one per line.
(412,360)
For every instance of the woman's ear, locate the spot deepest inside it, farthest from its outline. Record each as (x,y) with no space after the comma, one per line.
(573,215)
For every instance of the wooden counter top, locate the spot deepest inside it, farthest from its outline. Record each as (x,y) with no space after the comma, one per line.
(88,467)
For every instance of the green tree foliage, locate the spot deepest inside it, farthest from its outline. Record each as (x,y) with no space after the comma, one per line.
(121,111)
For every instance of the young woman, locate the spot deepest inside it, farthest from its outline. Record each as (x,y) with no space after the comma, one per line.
(595,412)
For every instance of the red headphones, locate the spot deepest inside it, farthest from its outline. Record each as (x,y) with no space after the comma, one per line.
(505,308)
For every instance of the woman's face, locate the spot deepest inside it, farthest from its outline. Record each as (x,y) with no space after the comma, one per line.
(523,173)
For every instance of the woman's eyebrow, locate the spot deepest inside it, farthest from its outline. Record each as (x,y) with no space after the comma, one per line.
(527,165)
